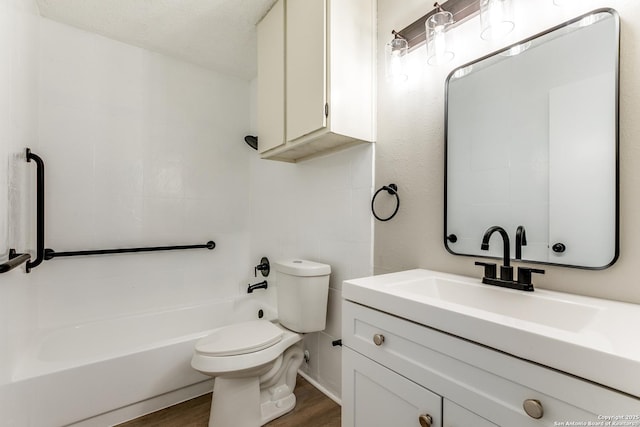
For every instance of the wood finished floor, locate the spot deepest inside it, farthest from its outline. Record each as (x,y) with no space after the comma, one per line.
(313,409)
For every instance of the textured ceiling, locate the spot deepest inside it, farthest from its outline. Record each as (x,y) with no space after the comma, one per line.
(217,34)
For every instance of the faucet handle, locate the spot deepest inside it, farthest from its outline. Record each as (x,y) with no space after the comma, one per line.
(264,267)
(490,270)
(524,274)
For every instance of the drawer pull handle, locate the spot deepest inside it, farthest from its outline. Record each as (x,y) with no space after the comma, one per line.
(425,420)
(378,339)
(533,408)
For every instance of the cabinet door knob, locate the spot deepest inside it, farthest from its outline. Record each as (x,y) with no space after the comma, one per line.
(425,420)
(378,339)
(533,408)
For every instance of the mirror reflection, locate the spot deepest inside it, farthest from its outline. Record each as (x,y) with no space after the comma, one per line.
(531,145)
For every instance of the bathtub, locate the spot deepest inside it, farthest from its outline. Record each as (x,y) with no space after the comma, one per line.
(108,371)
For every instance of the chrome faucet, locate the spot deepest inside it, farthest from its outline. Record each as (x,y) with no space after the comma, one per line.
(521,240)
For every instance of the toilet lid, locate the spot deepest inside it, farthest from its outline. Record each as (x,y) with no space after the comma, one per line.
(240,338)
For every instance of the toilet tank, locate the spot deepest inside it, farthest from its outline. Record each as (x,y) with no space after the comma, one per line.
(303,290)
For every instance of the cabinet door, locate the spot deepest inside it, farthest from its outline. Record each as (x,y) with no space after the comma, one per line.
(376,396)
(456,416)
(271,78)
(306,67)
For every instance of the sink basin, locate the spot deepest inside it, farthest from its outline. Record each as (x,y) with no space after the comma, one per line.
(583,336)
(552,312)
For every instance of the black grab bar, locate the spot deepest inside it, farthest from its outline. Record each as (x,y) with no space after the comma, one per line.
(15,259)
(39,209)
(50,253)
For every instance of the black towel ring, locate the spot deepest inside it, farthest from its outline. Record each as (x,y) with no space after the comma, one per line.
(391,189)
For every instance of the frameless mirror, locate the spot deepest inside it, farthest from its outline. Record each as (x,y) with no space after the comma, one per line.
(532,141)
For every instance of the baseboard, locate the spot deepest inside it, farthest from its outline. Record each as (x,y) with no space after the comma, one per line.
(148,406)
(320,387)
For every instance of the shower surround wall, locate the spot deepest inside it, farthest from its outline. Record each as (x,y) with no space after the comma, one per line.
(141,150)
(410,147)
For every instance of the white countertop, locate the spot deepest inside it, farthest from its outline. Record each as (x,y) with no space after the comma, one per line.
(592,338)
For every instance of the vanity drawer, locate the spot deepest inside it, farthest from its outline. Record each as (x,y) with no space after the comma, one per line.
(376,396)
(487,382)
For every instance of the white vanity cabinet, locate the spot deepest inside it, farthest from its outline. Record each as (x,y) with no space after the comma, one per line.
(401,369)
(315,77)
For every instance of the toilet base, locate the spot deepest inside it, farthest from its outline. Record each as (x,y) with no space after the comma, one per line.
(255,400)
(235,402)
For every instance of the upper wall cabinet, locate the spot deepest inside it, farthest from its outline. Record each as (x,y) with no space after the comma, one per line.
(271,79)
(315,77)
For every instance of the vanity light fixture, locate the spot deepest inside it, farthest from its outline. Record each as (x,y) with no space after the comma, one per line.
(496,18)
(431,29)
(395,54)
(436,27)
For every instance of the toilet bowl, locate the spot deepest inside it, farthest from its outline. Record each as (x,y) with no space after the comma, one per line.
(255,363)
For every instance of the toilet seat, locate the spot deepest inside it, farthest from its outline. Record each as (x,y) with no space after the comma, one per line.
(241,363)
(240,338)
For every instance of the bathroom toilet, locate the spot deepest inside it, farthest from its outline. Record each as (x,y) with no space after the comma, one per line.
(255,363)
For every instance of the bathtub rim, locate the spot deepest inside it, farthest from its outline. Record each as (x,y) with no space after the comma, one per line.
(30,366)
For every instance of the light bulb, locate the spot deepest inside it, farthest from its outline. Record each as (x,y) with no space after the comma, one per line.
(436,31)
(496,18)
(395,53)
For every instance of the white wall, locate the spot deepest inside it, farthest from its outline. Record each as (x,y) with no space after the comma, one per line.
(317,210)
(410,147)
(140,150)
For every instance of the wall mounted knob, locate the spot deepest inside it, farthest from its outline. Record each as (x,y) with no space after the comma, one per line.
(558,248)
(425,420)
(264,267)
(378,339)
(533,408)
